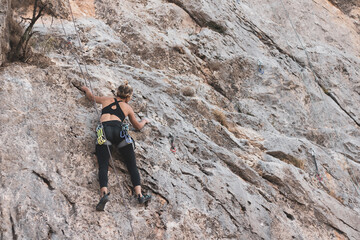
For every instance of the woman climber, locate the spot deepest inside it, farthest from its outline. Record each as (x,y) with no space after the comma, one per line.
(112,132)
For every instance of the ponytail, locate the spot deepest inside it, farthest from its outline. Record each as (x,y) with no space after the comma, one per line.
(124,90)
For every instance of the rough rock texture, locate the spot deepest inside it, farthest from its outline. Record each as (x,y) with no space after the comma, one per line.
(231,80)
(346,5)
(4,35)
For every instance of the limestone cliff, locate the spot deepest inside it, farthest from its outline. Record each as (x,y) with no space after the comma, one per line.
(5,14)
(258,94)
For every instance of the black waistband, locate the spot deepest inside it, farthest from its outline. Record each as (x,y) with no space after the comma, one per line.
(112,123)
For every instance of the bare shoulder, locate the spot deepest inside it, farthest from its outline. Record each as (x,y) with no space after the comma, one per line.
(126,108)
(105,100)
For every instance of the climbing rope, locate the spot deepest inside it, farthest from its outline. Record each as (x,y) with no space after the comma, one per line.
(299,39)
(77,59)
(314,74)
(322,95)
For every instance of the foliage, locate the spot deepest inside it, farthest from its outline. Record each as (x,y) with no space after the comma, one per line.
(220,117)
(20,36)
(20,45)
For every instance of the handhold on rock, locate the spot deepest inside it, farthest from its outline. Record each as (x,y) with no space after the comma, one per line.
(78,85)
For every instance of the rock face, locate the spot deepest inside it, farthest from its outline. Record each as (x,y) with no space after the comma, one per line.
(4,32)
(258,94)
(346,5)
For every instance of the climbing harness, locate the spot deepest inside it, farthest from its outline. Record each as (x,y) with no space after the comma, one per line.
(172,139)
(260,67)
(100,134)
(124,133)
(316,166)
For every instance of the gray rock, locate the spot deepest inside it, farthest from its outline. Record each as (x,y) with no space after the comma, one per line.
(5,14)
(244,136)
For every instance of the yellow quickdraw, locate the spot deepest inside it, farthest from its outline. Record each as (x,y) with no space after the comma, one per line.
(100,135)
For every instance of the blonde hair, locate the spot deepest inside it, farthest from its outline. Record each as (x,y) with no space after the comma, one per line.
(124,90)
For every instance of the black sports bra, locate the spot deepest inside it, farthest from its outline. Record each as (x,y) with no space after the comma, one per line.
(117,111)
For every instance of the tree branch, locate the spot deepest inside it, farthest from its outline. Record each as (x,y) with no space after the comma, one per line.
(24,40)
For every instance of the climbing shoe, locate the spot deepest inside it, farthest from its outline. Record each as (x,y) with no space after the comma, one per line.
(144,198)
(102,202)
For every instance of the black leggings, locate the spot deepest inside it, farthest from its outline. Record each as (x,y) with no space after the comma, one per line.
(112,132)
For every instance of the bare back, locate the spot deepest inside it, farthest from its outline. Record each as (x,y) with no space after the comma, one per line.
(106,101)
